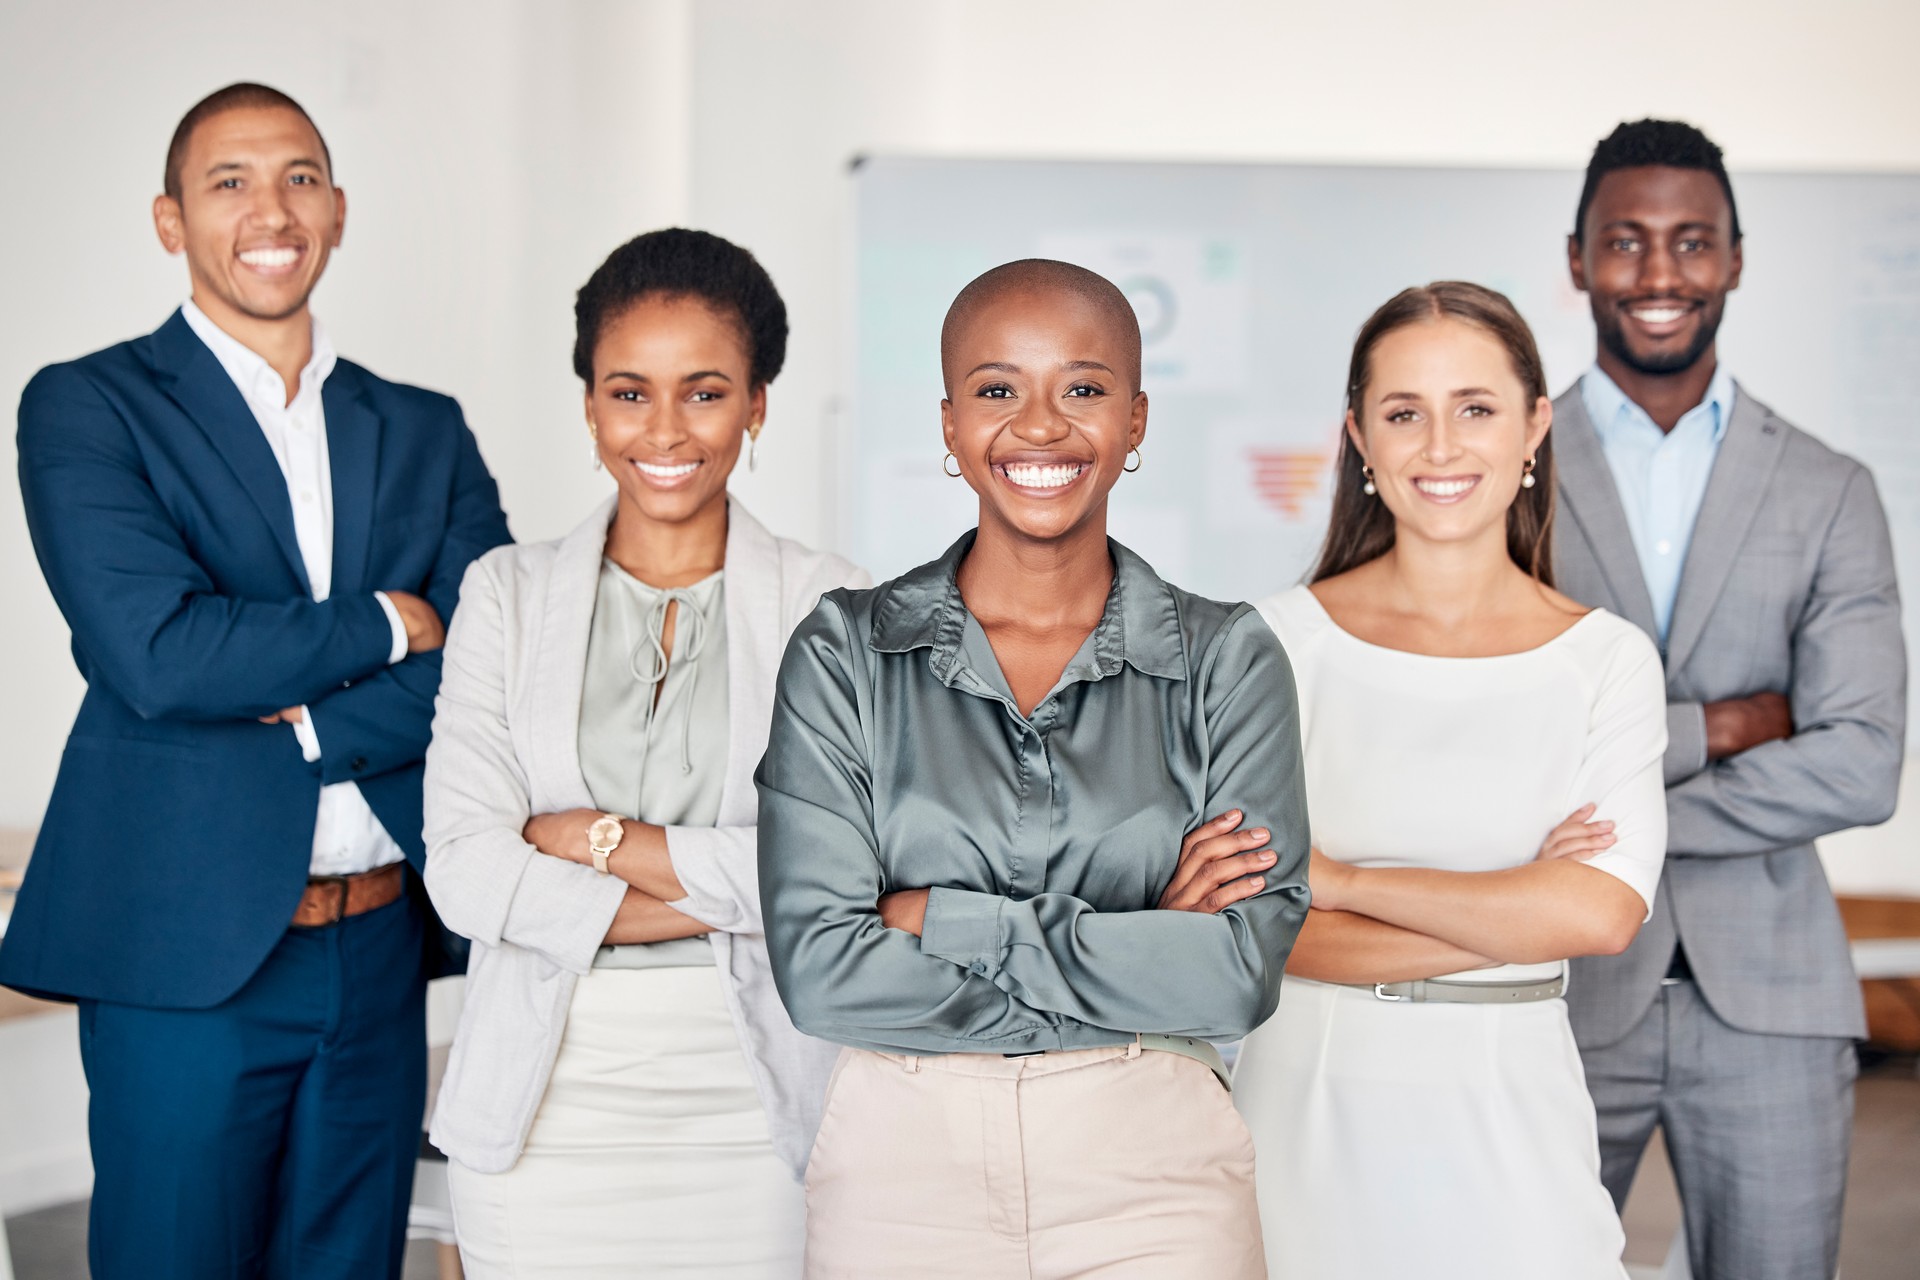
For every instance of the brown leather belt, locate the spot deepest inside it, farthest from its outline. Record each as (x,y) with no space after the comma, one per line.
(330,899)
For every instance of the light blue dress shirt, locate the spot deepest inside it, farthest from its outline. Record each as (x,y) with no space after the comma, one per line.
(1661,475)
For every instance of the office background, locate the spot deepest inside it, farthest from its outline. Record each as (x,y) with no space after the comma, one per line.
(494,150)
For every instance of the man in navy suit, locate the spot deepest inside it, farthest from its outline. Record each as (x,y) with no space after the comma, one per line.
(256,545)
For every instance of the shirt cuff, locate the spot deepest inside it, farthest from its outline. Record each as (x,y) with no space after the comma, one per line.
(307,735)
(399,649)
(964,927)
(1686,741)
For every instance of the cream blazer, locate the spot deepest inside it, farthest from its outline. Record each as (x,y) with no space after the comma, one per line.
(506,745)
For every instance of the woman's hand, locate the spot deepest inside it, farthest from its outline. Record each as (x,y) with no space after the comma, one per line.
(905,910)
(562,835)
(1330,881)
(1577,837)
(1216,870)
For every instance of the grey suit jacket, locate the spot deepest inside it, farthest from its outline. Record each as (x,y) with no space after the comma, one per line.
(1788,586)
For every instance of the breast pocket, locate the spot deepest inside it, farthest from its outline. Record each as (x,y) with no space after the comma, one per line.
(1757,609)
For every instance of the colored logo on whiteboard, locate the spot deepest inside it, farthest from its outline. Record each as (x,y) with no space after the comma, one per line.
(1286,479)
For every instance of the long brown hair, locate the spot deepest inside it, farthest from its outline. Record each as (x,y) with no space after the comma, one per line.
(1360,527)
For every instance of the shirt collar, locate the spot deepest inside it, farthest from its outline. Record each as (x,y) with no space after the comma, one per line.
(1608,406)
(1140,625)
(249,370)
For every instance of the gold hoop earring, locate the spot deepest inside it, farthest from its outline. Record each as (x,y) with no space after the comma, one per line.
(1139,461)
(753,446)
(1526,474)
(594,448)
(956,462)
(1368,488)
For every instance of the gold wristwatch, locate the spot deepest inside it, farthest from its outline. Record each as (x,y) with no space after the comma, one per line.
(603,837)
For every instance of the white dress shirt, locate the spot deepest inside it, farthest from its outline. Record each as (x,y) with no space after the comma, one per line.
(347,838)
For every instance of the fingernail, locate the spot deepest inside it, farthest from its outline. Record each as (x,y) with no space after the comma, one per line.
(1260,835)
(1259,882)
(1266,859)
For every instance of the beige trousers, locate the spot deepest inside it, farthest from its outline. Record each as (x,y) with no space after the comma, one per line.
(1108,1163)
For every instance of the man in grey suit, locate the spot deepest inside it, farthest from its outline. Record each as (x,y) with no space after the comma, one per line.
(1759,562)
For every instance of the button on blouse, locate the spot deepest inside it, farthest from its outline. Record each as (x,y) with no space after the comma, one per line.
(899,760)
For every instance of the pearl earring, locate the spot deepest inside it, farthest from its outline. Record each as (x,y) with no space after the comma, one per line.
(593,448)
(753,447)
(1526,475)
(1368,488)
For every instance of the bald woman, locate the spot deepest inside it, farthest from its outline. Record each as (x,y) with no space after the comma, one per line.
(986,858)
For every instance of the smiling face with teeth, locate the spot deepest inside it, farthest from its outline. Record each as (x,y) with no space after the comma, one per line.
(257,217)
(1657,258)
(1041,410)
(669,405)
(1447,426)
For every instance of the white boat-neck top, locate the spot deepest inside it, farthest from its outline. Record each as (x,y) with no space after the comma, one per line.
(1465,764)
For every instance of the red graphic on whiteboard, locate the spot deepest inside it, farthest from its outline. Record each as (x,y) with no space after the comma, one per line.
(1286,479)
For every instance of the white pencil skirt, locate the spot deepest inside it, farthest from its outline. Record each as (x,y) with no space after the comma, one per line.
(1443,1141)
(649,1155)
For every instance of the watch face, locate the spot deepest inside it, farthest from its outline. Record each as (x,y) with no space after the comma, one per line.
(605,832)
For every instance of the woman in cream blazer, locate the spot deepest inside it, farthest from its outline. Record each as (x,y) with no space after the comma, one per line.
(626,1094)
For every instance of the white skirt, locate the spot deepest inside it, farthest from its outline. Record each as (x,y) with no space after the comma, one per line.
(1444,1141)
(649,1155)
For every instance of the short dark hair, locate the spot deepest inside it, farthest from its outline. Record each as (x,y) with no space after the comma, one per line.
(234,97)
(681,263)
(1036,275)
(1671,144)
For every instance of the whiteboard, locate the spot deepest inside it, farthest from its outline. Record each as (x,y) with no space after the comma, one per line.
(1250,282)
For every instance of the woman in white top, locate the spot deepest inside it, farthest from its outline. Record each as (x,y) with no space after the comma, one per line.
(1417,1102)
(626,1096)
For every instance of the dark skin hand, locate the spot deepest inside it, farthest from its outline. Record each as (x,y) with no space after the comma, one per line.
(1741,724)
(1219,866)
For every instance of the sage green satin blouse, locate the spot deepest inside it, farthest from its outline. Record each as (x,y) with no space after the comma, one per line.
(655,759)
(898,760)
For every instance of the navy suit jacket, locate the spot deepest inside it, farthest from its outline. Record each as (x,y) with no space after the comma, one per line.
(176,844)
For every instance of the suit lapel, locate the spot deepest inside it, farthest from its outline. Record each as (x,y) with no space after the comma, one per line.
(560,663)
(1748,454)
(197,383)
(353,452)
(1589,495)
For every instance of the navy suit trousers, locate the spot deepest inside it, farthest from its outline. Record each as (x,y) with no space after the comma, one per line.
(273,1135)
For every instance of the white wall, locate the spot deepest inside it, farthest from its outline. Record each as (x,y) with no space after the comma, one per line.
(496,149)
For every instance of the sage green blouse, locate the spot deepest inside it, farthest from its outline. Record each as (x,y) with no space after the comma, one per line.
(898,760)
(660,760)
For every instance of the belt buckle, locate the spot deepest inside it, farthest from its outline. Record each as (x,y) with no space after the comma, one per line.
(340,907)
(1026,1053)
(1380,993)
